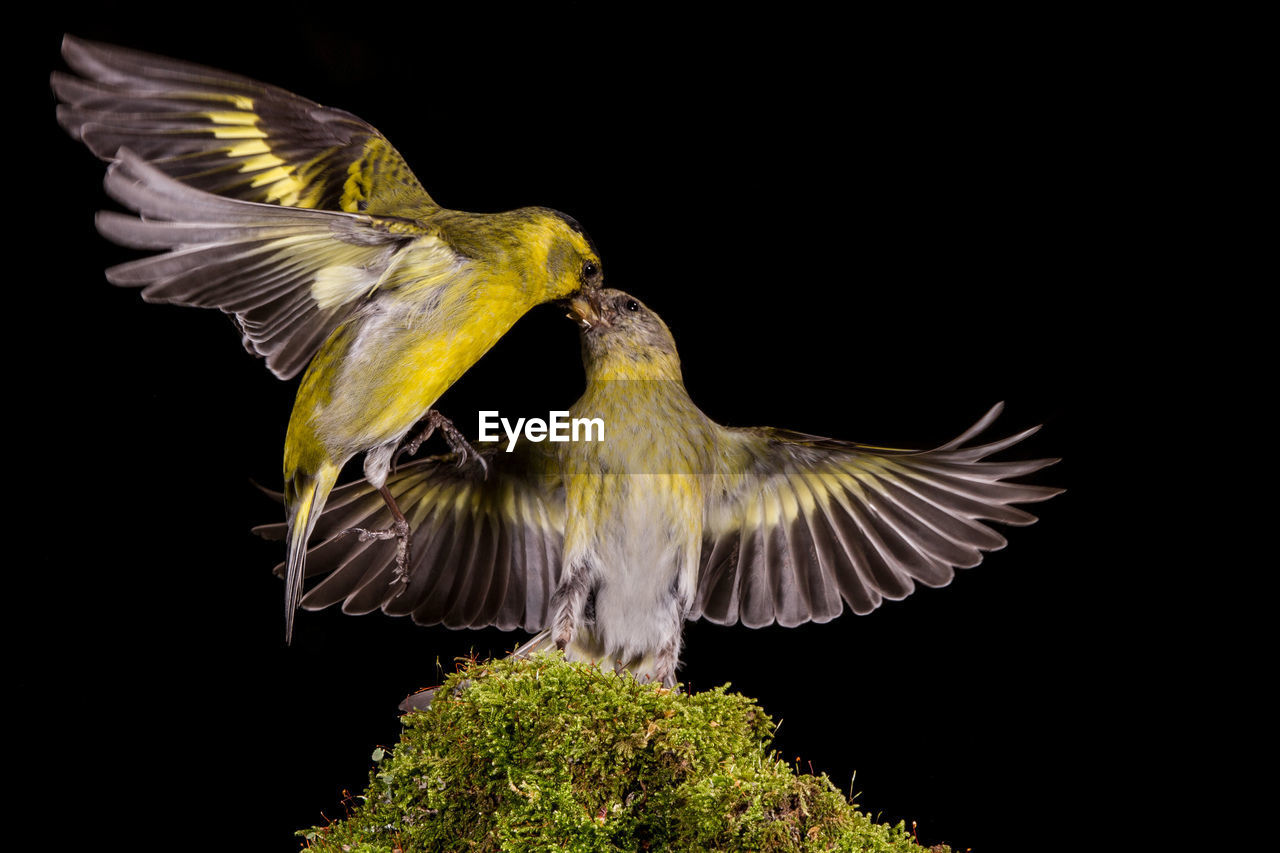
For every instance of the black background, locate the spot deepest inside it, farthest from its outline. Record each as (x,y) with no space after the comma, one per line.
(866,229)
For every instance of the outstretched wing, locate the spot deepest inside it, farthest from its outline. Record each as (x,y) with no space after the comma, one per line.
(229,135)
(815,523)
(287,276)
(485,549)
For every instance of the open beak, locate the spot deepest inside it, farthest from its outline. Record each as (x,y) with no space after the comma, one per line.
(582,310)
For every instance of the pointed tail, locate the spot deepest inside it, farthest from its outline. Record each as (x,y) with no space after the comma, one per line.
(305,495)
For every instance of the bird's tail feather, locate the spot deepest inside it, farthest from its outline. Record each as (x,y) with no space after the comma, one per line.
(537,644)
(305,496)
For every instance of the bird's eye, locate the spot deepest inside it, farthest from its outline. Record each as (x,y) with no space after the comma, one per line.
(590,269)
(632,305)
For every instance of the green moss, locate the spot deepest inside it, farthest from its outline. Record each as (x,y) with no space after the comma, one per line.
(546,755)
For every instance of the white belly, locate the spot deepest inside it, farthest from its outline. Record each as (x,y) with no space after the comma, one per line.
(641,556)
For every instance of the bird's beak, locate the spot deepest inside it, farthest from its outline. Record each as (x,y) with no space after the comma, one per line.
(583,311)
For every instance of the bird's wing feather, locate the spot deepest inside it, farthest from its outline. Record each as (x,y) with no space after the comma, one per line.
(230,135)
(486,547)
(287,276)
(807,524)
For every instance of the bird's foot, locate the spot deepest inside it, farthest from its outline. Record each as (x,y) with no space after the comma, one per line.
(399,530)
(568,601)
(457,441)
(667,659)
(563,634)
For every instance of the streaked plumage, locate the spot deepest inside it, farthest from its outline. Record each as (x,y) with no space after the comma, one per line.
(304,225)
(607,547)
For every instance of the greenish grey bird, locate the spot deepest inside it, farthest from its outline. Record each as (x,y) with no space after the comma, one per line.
(605,548)
(309,230)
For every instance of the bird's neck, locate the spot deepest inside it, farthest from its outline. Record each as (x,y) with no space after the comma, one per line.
(640,365)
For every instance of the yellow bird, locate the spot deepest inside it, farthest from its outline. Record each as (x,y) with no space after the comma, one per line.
(606,547)
(304,225)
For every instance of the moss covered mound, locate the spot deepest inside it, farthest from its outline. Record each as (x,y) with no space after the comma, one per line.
(541,754)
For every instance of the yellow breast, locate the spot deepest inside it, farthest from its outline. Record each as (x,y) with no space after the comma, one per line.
(378,375)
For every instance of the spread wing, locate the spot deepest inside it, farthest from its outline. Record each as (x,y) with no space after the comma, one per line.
(229,135)
(287,276)
(486,548)
(815,523)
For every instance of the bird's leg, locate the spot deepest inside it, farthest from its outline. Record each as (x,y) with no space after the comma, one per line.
(398,530)
(567,601)
(457,441)
(667,658)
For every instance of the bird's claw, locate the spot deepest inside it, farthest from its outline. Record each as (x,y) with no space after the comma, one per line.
(457,441)
(399,530)
(467,453)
